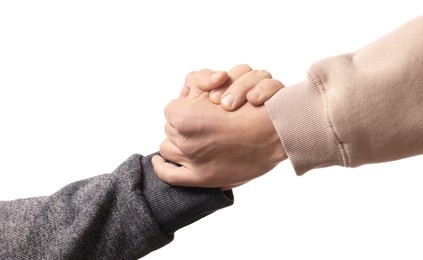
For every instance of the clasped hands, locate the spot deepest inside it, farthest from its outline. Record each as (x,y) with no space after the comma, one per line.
(219,133)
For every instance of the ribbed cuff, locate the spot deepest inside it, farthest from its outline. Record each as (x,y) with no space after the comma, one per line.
(175,207)
(299,116)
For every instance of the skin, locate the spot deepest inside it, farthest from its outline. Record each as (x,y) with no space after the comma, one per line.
(220,143)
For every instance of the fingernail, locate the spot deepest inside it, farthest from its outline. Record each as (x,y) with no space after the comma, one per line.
(228,100)
(155,158)
(214,95)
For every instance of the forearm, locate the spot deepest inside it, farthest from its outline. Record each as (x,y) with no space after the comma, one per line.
(358,108)
(123,215)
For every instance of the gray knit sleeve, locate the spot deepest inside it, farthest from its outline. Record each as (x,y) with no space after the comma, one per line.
(122,215)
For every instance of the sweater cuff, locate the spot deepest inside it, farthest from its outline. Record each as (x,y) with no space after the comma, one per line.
(175,207)
(299,114)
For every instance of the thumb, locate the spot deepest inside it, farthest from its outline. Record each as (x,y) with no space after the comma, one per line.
(263,91)
(173,174)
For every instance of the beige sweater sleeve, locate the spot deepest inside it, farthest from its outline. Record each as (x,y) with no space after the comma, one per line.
(357,108)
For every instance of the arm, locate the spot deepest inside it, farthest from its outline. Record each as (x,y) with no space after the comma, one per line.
(122,215)
(358,108)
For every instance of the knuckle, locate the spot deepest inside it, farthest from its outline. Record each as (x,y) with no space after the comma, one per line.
(186,146)
(264,74)
(244,67)
(164,150)
(266,83)
(167,129)
(204,72)
(190,76)
(178,122)
(271,84)
(202,80)
(176,117)
(169,111)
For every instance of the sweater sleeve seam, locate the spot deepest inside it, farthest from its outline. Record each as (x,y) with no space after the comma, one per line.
(316,80)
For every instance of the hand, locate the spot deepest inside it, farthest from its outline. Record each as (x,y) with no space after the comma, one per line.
(217,148)
(226,90)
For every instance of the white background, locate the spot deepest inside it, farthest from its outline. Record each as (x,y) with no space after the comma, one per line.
(83,85)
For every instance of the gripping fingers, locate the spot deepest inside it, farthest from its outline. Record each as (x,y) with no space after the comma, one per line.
(236,95)
(201,81)
(263,91)
(235,73)
(172,174)
(171,152)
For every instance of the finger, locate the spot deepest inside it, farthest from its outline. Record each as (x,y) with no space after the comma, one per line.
(235,73)
(171,111)
(263,91)
(236,95)
(201,81)
(207,80)
(176,138)
(184,92)
(185,89)
(183,120)
(170,131)
(171,152)
(174,175)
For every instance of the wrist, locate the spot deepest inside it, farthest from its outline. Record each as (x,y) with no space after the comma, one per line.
(298,115)
(175,207)
(270,138)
